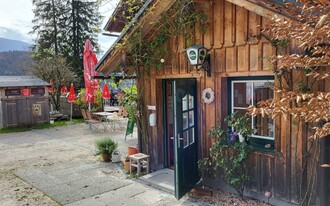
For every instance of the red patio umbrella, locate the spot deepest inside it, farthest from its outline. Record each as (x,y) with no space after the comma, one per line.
(64,89)
(90,60)
(106,94)
(72,95)
(71,98)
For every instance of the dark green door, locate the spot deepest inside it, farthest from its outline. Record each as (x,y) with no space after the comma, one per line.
(185,132)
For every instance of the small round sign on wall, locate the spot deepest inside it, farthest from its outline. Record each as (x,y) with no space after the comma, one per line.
(208,95)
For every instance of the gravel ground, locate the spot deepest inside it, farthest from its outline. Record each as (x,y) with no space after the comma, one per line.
(222,198)
(43,148)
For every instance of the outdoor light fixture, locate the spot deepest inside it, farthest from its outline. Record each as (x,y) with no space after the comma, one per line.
(198,55)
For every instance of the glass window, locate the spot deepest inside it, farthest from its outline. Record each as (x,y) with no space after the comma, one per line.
(249,92)
(242,94)
(188,120)
(185,120)
(184,103)
(191,102)
(185,139)
(191,118)
(191,135)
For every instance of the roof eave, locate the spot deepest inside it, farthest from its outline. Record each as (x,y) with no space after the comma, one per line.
(114,56)
(108,64)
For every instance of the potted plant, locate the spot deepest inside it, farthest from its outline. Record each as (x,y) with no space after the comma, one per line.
(132,150)
(105,147)
(241,126)
(126,164)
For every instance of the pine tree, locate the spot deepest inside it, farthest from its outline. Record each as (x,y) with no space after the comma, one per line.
(48,15)
(82,23)
(62,27)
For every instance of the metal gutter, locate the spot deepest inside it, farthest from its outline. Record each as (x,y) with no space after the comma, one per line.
(143,8)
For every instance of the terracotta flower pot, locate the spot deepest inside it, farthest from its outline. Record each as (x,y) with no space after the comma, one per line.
(106,157)
(126,165)
(132,150)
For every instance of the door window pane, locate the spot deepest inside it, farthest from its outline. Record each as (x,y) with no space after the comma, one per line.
(185,120)
(191,135)
(191,118)
(184,103)
(191,102)
(185,139)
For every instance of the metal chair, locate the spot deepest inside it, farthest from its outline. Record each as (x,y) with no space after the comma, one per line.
(91,123)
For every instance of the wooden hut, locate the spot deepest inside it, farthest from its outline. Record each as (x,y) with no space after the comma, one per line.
(239,72)
(24,101)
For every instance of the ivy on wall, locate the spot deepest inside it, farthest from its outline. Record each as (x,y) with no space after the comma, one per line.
(150,52)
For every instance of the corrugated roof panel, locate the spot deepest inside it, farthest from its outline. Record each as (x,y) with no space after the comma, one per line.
(21,81)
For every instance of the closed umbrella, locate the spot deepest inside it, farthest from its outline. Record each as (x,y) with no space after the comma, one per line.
(106,93)
(71,98)
(64,90)
(106,97)
(89,60)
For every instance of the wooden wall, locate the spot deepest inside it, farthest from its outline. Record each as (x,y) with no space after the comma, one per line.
(66,108)
(237,49)
(17,111)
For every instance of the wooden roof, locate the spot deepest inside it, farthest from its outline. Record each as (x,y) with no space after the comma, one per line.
(21,81)
(114,56)
(118,20)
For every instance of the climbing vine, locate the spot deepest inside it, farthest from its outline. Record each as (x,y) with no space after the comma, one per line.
(229,152)
(151,52)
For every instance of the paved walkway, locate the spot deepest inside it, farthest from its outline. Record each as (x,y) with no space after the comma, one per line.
(81,180)
(98,183)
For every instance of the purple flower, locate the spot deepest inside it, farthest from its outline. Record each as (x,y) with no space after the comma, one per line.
(233,136)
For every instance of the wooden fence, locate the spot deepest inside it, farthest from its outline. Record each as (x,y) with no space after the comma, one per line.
(66,108)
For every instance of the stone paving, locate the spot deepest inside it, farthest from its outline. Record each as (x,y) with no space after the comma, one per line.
(95,183)
(79,180)
(69,182)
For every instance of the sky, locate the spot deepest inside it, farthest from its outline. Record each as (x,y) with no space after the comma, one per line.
(16,21)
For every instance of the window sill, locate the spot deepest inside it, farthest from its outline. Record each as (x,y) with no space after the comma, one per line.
(260,145)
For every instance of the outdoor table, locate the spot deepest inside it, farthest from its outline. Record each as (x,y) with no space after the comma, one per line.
(139,161)
(103,117)
(111,109)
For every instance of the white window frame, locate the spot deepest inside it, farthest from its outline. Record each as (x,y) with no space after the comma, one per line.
(252,103)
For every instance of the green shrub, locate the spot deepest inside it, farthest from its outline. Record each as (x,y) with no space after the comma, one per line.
(96,106)
(105,145)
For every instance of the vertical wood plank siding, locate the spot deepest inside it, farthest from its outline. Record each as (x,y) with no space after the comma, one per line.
(17,112)
(236,49)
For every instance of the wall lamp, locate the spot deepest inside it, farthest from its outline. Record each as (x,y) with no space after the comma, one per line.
(198,55)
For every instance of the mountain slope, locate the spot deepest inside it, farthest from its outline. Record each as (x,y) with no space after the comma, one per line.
(15,63)
(13,45)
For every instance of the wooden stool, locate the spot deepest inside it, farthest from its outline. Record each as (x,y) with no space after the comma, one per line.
(139,161)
